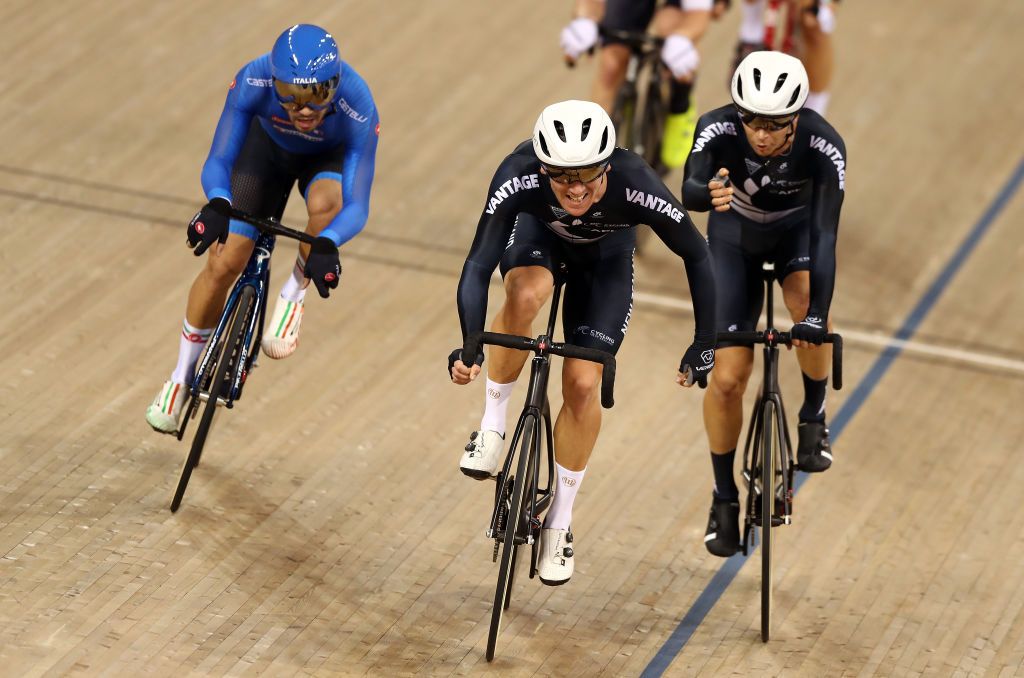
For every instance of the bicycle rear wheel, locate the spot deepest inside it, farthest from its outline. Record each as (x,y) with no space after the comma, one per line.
(510,551)
(223,371)
(769,450)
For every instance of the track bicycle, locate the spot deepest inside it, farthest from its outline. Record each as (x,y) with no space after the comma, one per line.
(768,450)
(233,346)
(519,497)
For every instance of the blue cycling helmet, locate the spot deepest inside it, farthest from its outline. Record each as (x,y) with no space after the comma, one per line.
(305,55)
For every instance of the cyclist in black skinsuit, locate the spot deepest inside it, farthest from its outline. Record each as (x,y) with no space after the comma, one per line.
(568,203)
(786,169)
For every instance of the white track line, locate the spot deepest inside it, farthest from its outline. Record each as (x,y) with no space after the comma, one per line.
(865,338)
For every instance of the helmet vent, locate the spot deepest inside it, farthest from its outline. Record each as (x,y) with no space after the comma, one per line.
(780,82)
(793,99)
(560,130)
(543,144)
(757,78)
(604,140)
(739,87)
(586,129)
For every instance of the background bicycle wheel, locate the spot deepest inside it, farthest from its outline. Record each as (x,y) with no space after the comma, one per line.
(329,530)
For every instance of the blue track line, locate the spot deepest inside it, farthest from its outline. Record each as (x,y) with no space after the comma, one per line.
(731,567)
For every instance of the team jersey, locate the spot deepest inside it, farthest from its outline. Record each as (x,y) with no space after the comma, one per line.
(351,122)
(806,182)
(634,195)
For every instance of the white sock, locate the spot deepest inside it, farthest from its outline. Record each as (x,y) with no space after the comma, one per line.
(496,409)
(193,341)
(559,516)
(752,23)
(817,102)
(294,288)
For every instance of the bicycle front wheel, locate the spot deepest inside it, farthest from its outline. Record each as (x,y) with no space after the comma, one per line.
(223,372)
(769,451)
(513,525)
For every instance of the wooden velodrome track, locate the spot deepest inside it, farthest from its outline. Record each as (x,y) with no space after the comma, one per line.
(329,531)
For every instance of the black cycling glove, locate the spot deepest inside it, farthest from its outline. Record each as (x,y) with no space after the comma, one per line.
(811,329)
(323,266)
(209,225)
(698,362)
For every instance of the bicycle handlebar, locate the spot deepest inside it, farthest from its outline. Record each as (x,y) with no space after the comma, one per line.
(635,39)
(776,338)
(542,345)
(271,226)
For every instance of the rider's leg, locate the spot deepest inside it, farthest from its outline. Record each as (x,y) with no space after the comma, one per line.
(818,55)
(814,449)
(206,298)
(576,432)
(723,413)
(814,362)
(527,288)
(611,71)
(281,338)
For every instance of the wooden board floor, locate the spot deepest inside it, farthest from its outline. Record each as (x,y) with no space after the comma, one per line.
(328,531)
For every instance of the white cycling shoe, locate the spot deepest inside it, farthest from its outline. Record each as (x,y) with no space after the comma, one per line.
(483,454)
(164,415)
(281,336)
(555,556)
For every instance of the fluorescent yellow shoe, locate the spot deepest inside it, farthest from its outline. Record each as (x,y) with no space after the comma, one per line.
(678,138)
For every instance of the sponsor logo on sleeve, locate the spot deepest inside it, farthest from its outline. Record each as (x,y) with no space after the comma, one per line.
(351,112)
(710,132)
(653,202)
(833,154)
(513,185)
(259,82)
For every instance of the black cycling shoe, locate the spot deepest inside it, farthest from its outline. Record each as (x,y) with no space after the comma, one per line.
(723,534)
(814,453)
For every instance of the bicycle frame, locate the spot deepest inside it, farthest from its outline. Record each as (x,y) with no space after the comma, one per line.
(257,276)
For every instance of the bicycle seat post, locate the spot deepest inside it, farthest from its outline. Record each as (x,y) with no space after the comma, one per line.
(768,270)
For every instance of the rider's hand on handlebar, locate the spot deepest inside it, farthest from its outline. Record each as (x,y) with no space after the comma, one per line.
(459,372)
(578,36)
(323,267)
(696,365)
(209,225)
(810,331)
(721,190)
(681,56)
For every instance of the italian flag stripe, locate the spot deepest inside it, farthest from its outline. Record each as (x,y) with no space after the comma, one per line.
(285,319)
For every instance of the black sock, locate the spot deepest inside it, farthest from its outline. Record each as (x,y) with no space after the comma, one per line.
(814,400)
(679,96)
(725,485)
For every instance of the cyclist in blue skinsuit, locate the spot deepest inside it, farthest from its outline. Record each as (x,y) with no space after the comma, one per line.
(302,114)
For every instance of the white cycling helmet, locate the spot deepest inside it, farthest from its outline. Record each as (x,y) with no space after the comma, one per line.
(573,134)
(770,84)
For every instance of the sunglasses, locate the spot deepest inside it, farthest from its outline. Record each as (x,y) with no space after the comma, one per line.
(570,175)
(755,121)
(294,97)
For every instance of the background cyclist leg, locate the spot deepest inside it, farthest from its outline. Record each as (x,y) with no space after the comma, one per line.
(224,263)
(281,335)
(818,56)
(814,451)
(751,31)
(682,26)
(527,289)
(723,421)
